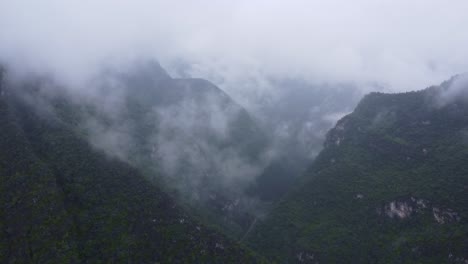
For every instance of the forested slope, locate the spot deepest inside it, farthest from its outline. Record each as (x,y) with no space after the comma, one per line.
(391,186)
(63,201)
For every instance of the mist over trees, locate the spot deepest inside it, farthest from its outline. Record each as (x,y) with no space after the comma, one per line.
(248,131)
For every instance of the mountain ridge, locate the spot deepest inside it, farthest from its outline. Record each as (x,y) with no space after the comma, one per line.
(389,186)
(64,201)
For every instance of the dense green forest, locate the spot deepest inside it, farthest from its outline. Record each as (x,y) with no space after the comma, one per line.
(63,201)
(390,186)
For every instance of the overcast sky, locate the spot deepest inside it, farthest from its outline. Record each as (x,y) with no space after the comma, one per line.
(402,44)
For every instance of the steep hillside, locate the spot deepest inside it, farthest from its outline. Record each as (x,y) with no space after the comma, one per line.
(391,186)
(187,135)
(64,202)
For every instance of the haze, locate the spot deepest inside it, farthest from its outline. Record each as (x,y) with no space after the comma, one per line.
(399,45)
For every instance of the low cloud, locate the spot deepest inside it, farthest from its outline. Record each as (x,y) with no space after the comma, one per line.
(402,45)
(454,90)
(194,142)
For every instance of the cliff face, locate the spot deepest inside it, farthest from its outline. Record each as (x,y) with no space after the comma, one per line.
(62,201)
(390,186)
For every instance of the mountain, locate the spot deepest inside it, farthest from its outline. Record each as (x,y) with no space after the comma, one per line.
(64,201)
(185,135)
(390,186)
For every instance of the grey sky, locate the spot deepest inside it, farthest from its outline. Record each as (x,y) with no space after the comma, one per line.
(402,44)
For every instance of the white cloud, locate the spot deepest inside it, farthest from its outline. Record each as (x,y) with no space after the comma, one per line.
(404,45)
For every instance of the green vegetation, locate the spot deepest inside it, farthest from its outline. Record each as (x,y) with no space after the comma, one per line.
(64,202)
(389,187)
